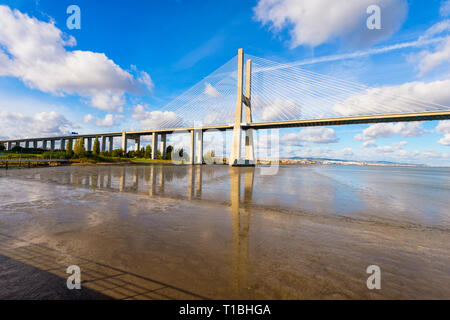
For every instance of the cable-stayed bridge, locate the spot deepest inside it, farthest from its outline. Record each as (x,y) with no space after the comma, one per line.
(262,94)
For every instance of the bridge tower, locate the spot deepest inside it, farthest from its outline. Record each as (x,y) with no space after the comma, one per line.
(235,154)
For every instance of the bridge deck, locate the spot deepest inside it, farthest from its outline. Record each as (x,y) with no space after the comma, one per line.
(401,117)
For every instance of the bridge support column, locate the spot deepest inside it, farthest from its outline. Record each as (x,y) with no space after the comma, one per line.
(111,144)
(102,143)
(154,144)
(52,145)
(35,144)
(137,143)
(192,151)
(163,145)
(235,154)
(224,145)
(63,144)
(8,146)
(27,144)
(124,142)
(199,147)
(249,149)
(44,144)
(69,143)
(89,144)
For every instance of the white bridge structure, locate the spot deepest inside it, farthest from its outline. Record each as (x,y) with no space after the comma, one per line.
(273,95)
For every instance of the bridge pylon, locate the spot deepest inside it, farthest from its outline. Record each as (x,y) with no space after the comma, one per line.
(236,148)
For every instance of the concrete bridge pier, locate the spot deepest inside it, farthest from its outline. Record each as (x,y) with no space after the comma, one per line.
(199,147)
(27,144)
(52,145)
(111,144)
(163,145)
(235,154)
(63,144)
(192,150)
(102,143)
(137,143)
(89,144)
(44,144)
(124,141)
(35,144)
(154,144)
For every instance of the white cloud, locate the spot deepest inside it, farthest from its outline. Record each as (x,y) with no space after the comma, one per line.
(445,8)
(319,21)
(429,61)
(34,51)
(146,80)
(210,91)
(319,135)
(278,109)
(108,121)
(344,153)
(369,144)
(156,119)
(396,98)
(392,148)
(445,141)
(443,127)
(43,124)
(386,130)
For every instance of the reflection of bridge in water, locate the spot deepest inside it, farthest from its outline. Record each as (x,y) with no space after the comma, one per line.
(180,182)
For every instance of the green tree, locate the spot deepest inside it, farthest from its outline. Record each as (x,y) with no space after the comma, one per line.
(79,149)
(148,152)
(96,147)
(117,153)
(2,147)
(169,151)
(69,150)
(158,155)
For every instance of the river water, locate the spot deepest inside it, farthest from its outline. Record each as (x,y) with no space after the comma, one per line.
(192,232)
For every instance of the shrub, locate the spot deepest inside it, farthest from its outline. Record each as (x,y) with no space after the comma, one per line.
(117,153)
(55,155)
(79,149)
(169,151)
(96,147)
(17,149)
(69,150)
(148,152)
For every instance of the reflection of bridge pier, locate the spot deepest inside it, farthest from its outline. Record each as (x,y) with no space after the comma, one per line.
(241,226)
(152,181)
(198,185)
(122,179)
(161,179)
(135,179)
(191,182)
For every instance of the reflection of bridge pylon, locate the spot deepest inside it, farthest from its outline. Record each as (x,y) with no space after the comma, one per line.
(241,227)
(235,155)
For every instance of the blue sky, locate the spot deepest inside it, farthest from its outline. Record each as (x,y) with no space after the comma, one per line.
(146,53)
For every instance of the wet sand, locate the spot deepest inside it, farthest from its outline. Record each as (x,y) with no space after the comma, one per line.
(193,232)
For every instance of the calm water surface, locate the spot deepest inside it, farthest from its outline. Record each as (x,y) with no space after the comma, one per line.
(217,232)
